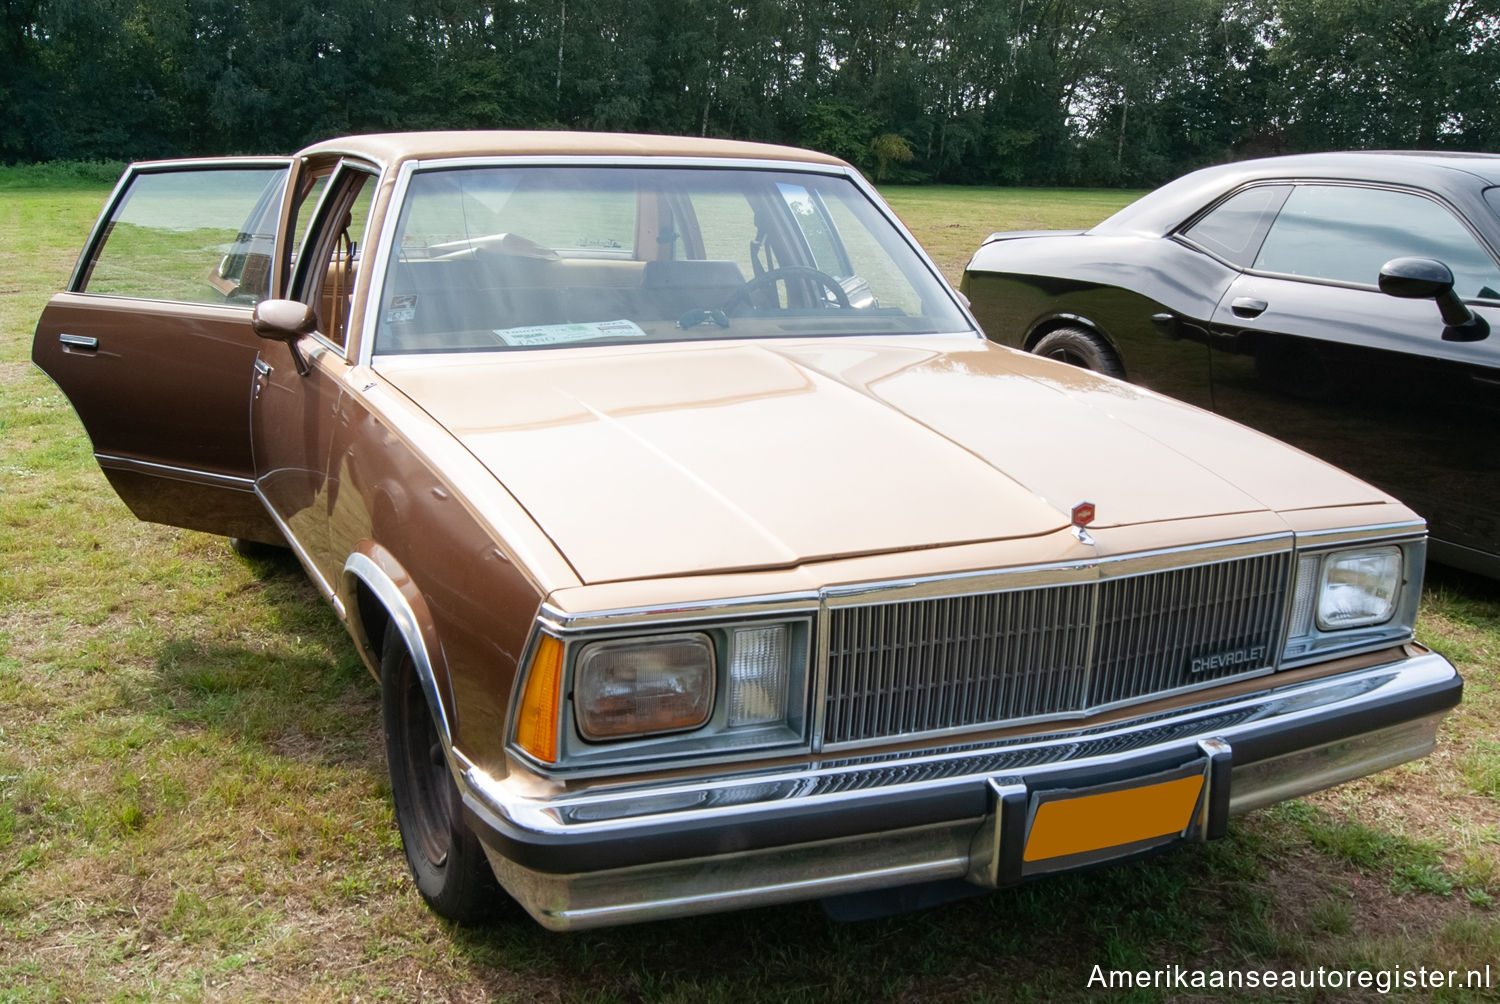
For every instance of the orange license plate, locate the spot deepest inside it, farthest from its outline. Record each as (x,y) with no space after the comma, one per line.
(1107,821)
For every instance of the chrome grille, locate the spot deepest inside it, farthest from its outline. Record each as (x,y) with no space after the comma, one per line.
(933,664)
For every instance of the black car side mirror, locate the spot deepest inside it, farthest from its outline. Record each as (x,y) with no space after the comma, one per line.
(285,321)
(1428,278)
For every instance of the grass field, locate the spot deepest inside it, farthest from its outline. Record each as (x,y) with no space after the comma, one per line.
(193,801)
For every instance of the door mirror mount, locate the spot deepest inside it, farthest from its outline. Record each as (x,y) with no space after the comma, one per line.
(285,321)
(1428,278)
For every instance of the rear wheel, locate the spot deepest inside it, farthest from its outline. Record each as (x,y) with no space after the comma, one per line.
(445,857)
(1081,347)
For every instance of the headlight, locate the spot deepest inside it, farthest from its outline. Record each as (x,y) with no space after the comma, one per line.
(1353,598)
(1359,588)
(699,688)
(644,687)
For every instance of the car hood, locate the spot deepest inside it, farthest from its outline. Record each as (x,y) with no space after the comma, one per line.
(665,460)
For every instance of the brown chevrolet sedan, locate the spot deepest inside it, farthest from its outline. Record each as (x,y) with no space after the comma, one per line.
(705,551)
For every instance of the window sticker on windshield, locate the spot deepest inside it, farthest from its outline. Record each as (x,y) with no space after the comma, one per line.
(563,334)
(403,308)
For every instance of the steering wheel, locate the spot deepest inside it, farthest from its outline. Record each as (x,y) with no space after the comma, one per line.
(775,275)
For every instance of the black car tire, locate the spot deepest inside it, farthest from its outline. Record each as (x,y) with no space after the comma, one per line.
(1080,347)
(445,857)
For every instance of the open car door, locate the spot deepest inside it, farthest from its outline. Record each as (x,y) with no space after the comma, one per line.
(152,341)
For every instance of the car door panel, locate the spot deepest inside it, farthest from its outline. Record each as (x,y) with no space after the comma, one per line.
(1366,380)
(157,359)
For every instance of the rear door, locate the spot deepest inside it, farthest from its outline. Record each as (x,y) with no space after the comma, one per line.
(152,341)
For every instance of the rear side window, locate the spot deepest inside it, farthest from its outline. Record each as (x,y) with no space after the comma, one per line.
(1234,229)
(1345,233)
(193,236)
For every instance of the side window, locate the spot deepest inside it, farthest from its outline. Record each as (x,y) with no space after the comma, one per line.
(859,227)
(817,231)
(1233,230)
(1345,233)
(193,236)
(304,207)
(333,251)
(726,220)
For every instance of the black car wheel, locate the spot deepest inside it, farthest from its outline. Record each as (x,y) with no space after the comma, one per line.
(445,857)
(1080,347)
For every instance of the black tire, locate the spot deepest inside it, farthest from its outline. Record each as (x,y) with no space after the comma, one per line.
(1081,347)
(445,857)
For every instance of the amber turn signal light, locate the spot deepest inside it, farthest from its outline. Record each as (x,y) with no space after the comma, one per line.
(536,721)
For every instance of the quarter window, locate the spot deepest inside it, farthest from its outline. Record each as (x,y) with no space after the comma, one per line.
(1345,233)
(193,236)
(1234,229)
(334,250)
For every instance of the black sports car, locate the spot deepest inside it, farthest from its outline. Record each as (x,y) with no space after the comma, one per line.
(1342,302)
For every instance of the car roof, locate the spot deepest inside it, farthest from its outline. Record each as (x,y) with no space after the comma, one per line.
(1447,174)
(392,148)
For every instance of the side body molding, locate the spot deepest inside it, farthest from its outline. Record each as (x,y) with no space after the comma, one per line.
(370,570)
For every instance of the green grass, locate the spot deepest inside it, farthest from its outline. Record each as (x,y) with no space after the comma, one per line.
(193,802)
(951,221)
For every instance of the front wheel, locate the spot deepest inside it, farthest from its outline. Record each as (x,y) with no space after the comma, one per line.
(1081,347)
(445,857)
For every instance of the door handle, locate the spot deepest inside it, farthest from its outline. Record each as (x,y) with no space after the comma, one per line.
(85,343)
(1247,306)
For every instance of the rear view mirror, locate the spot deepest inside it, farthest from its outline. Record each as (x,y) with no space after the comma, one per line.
(1428,278)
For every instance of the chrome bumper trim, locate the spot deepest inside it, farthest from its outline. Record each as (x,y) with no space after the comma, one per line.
(567,858)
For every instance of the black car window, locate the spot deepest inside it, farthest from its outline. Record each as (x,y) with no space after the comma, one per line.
(1234,229)
(1346,233)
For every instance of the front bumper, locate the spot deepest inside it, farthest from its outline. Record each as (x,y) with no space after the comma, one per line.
(737,839)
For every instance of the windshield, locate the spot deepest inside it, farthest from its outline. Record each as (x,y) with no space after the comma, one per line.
(528,257)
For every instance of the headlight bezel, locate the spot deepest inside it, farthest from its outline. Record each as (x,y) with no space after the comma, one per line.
(1312,636)
(577,753)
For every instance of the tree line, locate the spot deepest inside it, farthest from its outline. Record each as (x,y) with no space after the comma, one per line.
(1127,92)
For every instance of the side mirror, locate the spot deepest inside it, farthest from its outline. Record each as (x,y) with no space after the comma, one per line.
(285,321)
(1428,278)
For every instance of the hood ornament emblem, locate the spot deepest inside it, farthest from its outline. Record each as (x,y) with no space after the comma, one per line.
(1082,515)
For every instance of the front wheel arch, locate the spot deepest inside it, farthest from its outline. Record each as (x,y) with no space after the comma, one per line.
(447,861)
(386,609)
